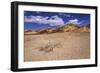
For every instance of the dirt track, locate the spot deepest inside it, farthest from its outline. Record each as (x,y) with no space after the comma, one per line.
(57,46)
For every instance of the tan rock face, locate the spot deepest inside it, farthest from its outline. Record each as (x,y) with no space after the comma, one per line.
(74,28)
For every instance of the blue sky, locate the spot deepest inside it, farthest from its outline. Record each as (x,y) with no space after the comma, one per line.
(35,20)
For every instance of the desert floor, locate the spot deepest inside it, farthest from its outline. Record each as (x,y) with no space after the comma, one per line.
(57,46)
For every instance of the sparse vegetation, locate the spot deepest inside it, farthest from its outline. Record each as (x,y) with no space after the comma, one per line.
(49,46)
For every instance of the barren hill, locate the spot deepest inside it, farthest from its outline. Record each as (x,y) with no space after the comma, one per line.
(65,28)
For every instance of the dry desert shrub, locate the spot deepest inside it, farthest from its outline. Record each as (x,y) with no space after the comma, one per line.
(49,47)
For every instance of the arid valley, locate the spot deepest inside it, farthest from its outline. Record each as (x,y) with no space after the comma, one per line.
(57,46)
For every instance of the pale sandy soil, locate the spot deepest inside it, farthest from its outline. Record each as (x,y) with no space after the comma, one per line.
(57,46)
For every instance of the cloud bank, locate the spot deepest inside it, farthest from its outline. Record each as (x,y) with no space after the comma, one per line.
(52,21)
(74,21)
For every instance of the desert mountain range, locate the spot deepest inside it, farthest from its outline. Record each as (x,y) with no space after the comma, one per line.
(65,28)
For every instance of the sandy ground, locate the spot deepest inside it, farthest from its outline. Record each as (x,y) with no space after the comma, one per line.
(57,46)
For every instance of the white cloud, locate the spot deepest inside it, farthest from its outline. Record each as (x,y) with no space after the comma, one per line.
(74,21)
(67,15)
(52,21)
(56,21)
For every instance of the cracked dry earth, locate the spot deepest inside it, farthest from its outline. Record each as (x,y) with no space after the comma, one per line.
(57,46)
